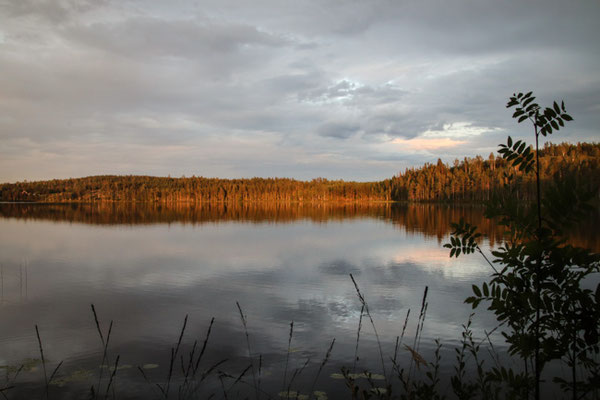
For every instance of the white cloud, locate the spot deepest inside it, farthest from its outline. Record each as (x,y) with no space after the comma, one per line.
(426,143)
(458,130)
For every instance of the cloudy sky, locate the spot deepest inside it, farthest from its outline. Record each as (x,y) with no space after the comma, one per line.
(344,89)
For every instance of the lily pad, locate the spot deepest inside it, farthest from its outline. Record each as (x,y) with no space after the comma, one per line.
(27,365)
(379,390)
(112,367)
(363,375)
(320,395)
(293,395)
(80,375)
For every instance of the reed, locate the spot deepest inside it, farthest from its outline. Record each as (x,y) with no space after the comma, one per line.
(395,366)
(413,388)
(54,372)
(418,332)
(187,370)
(296,373)
(237,379)
(37,332)
(362,310)
(259,371)
(104,349)
(287,354)
(244,323)
(184,369)
(4,389)
(321,366)
(146,378)
(195,386)
(366,308)
(112,378)
(204,344)
(174,353)
(10,382)
(191,378)
(399,342)
(223,387)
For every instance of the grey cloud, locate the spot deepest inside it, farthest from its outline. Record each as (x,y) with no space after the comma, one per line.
(54,11)
(354,94)
(376,107)
(458,27)
(395,124)
(385,94)
(464,27)
(293,83)
(312,18)
(338,130)
(214,50)
(186,38)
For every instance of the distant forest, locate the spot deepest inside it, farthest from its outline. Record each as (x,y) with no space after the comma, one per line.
(470,180)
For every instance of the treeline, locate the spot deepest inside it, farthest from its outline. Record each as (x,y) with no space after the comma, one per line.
(470,180)
(195,190)
(477,179)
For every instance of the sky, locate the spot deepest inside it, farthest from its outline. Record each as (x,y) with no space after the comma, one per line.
(341,89)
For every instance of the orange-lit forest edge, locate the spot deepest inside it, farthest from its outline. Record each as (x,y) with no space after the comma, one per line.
(470,180)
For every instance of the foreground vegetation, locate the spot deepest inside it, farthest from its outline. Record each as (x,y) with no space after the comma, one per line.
(194,368)
(470,180)
(199,371)
(538,292)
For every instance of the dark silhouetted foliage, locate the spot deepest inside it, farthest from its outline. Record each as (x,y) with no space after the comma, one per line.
(538,288)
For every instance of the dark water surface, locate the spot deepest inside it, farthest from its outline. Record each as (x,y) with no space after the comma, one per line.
(147,266)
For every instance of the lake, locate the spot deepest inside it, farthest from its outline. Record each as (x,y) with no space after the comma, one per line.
(146,267)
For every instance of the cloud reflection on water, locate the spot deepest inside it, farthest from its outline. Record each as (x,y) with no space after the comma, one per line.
(148,277)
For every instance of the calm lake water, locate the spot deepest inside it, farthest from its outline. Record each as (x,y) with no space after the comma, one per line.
(147,267)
